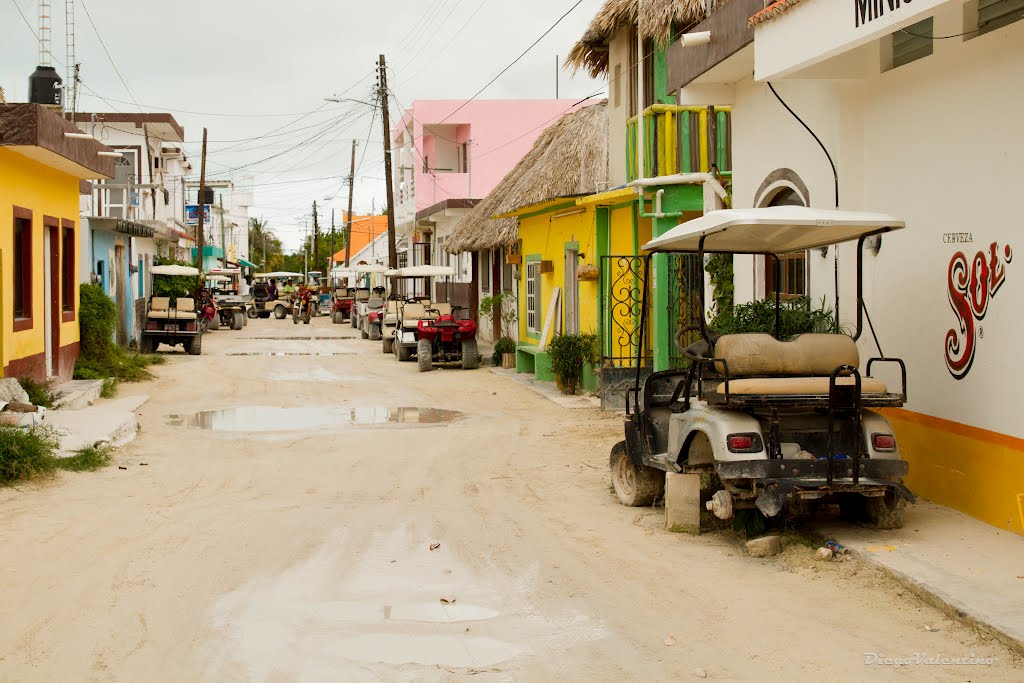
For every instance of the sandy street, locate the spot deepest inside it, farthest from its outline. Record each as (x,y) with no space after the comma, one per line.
(290,540)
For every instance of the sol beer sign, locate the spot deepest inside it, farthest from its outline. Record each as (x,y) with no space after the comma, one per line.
(972,284)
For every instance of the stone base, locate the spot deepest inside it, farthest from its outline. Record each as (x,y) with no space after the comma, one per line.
(682,503)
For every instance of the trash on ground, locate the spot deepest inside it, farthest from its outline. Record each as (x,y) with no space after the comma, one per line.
(450,600)
(932,629)
(836,547)
(435,545)
(823,554)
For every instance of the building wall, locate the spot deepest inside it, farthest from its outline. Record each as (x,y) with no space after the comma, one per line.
(937,143)
(618,107)
(45,191)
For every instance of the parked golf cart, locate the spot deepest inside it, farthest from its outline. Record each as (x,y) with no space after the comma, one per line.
(343,296)
(172,320)
(763,422)
(231,306)
(446,339)
(369,299)
(415,305)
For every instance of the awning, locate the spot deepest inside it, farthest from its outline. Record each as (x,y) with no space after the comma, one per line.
(247,264)
(121,225)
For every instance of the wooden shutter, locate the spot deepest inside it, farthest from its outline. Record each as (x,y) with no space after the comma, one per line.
(993,14)
(912,43)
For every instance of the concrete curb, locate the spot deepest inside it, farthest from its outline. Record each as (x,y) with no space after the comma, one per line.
(111,422)
(548,390)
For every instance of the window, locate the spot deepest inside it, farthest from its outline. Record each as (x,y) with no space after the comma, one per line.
(993,14)
(22,252)
(507,281)
(648,73)
(631,69)
(792,266)
(617,87)
(119,200)
(485,271)
(532,296)
(67,268)
(912,43)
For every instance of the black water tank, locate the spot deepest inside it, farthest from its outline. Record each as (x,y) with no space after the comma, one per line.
(44,87)
(207,196)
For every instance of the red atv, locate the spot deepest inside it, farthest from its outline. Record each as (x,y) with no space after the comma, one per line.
(446,340)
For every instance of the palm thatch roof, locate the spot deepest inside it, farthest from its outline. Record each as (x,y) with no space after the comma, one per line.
(657,19)
(570,158)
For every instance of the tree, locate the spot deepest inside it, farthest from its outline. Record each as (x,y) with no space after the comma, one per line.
(264,246)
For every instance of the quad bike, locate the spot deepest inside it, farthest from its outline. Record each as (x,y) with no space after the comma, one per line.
(446,340)
(303,306)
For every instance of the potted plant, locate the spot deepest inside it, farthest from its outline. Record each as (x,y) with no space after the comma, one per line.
(505,353)
(568,354)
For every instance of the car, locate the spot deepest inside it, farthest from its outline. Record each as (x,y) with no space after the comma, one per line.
(759,422)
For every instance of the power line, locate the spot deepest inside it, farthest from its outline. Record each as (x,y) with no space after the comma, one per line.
(515,61)
(448,43)
(117,71)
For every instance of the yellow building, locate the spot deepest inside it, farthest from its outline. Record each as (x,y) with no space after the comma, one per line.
(41,169)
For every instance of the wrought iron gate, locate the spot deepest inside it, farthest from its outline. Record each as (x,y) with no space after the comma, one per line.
(686,278)
(623,283)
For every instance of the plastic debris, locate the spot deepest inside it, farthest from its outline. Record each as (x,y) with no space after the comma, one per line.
(435,545)
(699,673)
(121,467)
(932,629)
(823,554)
(836,547)
(450,600)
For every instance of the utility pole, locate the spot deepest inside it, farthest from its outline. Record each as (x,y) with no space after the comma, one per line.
(200,241)
(316,238)
(392,247)
(223,239)
(330,261)
(348,220)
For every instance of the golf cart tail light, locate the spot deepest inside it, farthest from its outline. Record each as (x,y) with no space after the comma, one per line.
(883,442)
(744,443)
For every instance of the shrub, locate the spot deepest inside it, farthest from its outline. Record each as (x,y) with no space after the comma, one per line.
(39,393)
(100,358)
(27,453)
(568,354)
(504,345)
(502,306)
(88,459)
(797,316)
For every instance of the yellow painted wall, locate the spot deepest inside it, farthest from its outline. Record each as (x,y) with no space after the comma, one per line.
(45,191)
(976,471)
(547,236)
(625,239)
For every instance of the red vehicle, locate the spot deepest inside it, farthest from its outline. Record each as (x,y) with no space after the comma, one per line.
(446,340)
(341,304)
(303,305)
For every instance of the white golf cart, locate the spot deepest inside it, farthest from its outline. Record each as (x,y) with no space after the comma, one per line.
(414,302)
(369,299)
(765,422)
(281,305)
(224,285)
(172,320)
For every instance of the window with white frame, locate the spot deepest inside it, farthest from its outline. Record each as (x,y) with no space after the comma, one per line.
(118,201)
(485,271)
(532,296)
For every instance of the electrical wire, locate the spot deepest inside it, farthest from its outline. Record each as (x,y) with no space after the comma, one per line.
(103,44)
(447,44)
(814,135)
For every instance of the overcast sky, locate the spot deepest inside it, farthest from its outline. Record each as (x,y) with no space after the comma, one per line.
(246,68)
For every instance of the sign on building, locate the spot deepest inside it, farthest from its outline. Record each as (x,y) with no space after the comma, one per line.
(192,214)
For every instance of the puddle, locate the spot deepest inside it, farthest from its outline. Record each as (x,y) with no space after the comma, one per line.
(333,338)
(289,353)
(272,419)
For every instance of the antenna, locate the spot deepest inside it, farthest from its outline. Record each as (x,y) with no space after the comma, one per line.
(45,24)
(72,74)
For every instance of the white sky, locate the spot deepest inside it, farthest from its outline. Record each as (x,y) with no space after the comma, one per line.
(247,67)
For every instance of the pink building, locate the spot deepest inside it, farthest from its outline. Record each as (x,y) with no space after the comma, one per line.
(447,156)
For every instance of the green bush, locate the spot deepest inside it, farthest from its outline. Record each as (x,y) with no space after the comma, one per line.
(89,459)
(27,453)
(100,357)
(39,393)
(504,345)
(173,286)
(568,354)
(797,316)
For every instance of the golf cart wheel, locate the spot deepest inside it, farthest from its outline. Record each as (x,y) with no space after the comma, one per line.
(215,321)
(354,319)
(424,355)
(404,353)
(635,486)
(280,312)
(363,334)
(194,346)
(388,344)
(147,344)
(374,332)
(470,356)
(237,320)
(335,317)
(252,313)
(881,512)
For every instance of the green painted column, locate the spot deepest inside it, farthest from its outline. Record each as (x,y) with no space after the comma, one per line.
(677,198)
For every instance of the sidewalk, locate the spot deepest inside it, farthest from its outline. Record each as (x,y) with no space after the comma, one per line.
(109,421)
(548,390)
(968,569)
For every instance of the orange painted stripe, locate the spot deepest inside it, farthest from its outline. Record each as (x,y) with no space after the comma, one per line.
(957,428)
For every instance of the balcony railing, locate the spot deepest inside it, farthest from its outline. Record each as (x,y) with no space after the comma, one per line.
(682,140)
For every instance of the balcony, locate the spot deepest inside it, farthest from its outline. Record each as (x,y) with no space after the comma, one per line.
(681,140)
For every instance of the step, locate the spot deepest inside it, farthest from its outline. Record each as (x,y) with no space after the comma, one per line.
(77,394)
(113,422)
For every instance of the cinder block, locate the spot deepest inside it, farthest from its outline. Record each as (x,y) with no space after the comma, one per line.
(682,502)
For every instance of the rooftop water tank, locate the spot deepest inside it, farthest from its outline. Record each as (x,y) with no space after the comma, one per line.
(44,87)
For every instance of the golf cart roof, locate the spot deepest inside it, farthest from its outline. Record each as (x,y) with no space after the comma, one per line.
(370,268)
(425,271)
(225,271)
(282,273)
(772,230)
(218,278)
(174,270)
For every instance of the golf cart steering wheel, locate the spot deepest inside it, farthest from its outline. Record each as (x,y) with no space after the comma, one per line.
(687,350)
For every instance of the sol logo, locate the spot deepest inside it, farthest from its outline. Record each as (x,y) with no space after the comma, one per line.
(972,284)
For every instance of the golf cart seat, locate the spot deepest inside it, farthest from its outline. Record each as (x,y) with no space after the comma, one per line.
(160,309)
(759,364)
(442,308)
(362,294)
(413,313)
(374,302)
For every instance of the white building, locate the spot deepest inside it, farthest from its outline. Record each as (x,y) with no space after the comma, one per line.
(227,231)
(918,105)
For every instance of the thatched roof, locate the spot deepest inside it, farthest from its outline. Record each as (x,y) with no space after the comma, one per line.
(590,53)
(570,158)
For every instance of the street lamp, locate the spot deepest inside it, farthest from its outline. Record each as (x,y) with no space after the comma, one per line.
(348,99)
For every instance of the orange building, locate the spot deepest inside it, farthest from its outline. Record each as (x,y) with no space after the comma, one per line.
(364,230)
